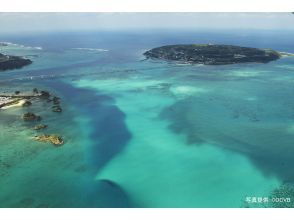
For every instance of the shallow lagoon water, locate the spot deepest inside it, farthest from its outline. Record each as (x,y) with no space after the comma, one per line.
(143,133)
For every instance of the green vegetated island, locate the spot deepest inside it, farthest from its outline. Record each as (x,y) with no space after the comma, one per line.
(8,62)
(210,54)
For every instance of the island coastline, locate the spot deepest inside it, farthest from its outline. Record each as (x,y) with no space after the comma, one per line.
(211,54)
(8,62)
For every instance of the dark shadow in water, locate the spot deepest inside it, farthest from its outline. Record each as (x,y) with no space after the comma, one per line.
(109,136)
(267,144)
(108,194)
(109,133)
(97,194)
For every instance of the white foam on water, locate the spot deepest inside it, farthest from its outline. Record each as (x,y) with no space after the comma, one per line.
(184,91)
(91,49)
(115,85)
(22,46)
(245,73)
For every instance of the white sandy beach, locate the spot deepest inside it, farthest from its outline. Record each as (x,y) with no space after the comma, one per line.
(18,103)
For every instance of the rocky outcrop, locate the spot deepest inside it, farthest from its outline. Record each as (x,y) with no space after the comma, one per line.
(31,117)
(53,139)
(56,100)
(210,54)
(44,94)
(56,108)
(27,103)
(24,99)
(40,127)
(12,62)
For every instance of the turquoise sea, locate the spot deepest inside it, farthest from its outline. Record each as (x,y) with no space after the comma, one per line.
(149,133)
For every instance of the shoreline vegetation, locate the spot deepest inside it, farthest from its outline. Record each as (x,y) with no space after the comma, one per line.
(26,99)
(210,54)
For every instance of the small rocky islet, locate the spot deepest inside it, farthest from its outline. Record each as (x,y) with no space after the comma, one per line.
(39,127)
(29,116)
(210,54)
(52,138)
(27,99)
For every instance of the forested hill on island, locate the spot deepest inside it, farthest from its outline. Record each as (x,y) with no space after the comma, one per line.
(210,54)
(8,62)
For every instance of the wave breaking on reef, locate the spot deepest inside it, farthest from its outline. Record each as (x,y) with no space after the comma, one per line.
(22,46)
(90,49)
